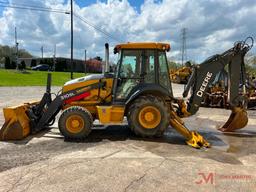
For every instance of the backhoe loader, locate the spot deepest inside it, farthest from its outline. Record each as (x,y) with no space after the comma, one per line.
(140,89)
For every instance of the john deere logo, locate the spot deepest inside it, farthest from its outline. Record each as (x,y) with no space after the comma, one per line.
(204,84)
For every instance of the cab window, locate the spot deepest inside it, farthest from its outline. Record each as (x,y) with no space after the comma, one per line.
(150,66)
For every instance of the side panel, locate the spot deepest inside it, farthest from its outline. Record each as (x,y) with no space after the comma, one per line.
(94,97)
(111,114)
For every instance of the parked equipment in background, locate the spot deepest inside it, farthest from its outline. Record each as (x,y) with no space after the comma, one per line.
(217,93)
(140,90)
(182,74)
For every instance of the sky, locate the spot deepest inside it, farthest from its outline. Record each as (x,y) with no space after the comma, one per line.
(212,26)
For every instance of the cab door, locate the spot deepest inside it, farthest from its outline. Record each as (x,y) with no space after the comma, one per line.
(129,73)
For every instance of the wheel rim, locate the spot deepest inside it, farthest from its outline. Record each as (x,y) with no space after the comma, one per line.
(75,123)
(149,117)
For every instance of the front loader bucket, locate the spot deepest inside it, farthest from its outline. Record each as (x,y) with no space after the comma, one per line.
(237,120)
(16,124)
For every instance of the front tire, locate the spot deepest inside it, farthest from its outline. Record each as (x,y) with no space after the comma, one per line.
(148,116)
(75,123)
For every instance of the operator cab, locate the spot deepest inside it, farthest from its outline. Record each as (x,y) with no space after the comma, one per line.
(141,65)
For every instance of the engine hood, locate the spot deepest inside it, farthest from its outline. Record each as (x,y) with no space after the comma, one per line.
(85,78)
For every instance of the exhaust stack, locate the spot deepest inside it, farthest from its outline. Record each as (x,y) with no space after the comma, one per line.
(106,68)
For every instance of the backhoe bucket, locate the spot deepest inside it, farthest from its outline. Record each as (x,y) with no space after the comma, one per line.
(237,120)
(16,124)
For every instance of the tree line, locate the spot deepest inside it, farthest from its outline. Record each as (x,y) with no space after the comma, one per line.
(8,57)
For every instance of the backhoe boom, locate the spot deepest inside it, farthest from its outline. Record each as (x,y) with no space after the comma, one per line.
(204,74)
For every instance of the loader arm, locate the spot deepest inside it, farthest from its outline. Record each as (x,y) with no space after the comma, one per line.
(204,74)
(53,108)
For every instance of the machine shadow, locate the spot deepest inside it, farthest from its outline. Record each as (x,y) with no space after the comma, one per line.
(123,132)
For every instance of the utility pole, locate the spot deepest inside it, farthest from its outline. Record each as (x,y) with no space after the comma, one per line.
(71,59)
(42,51)
(17,49)
(85,61)
(183,48)
(54,58)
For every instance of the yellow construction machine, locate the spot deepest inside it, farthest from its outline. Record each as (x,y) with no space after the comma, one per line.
(140,89)
(182,74)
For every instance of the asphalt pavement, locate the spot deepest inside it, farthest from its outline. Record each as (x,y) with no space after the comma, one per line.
(113,159)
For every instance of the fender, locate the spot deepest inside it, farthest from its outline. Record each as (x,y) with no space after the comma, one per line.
(149,89)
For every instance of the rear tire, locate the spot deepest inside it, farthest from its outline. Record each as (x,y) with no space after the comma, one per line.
(75,123)
(148,125)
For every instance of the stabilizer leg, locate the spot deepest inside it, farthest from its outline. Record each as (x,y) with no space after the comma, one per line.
(193,138)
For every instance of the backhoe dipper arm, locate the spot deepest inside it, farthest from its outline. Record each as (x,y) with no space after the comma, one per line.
(204,74)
